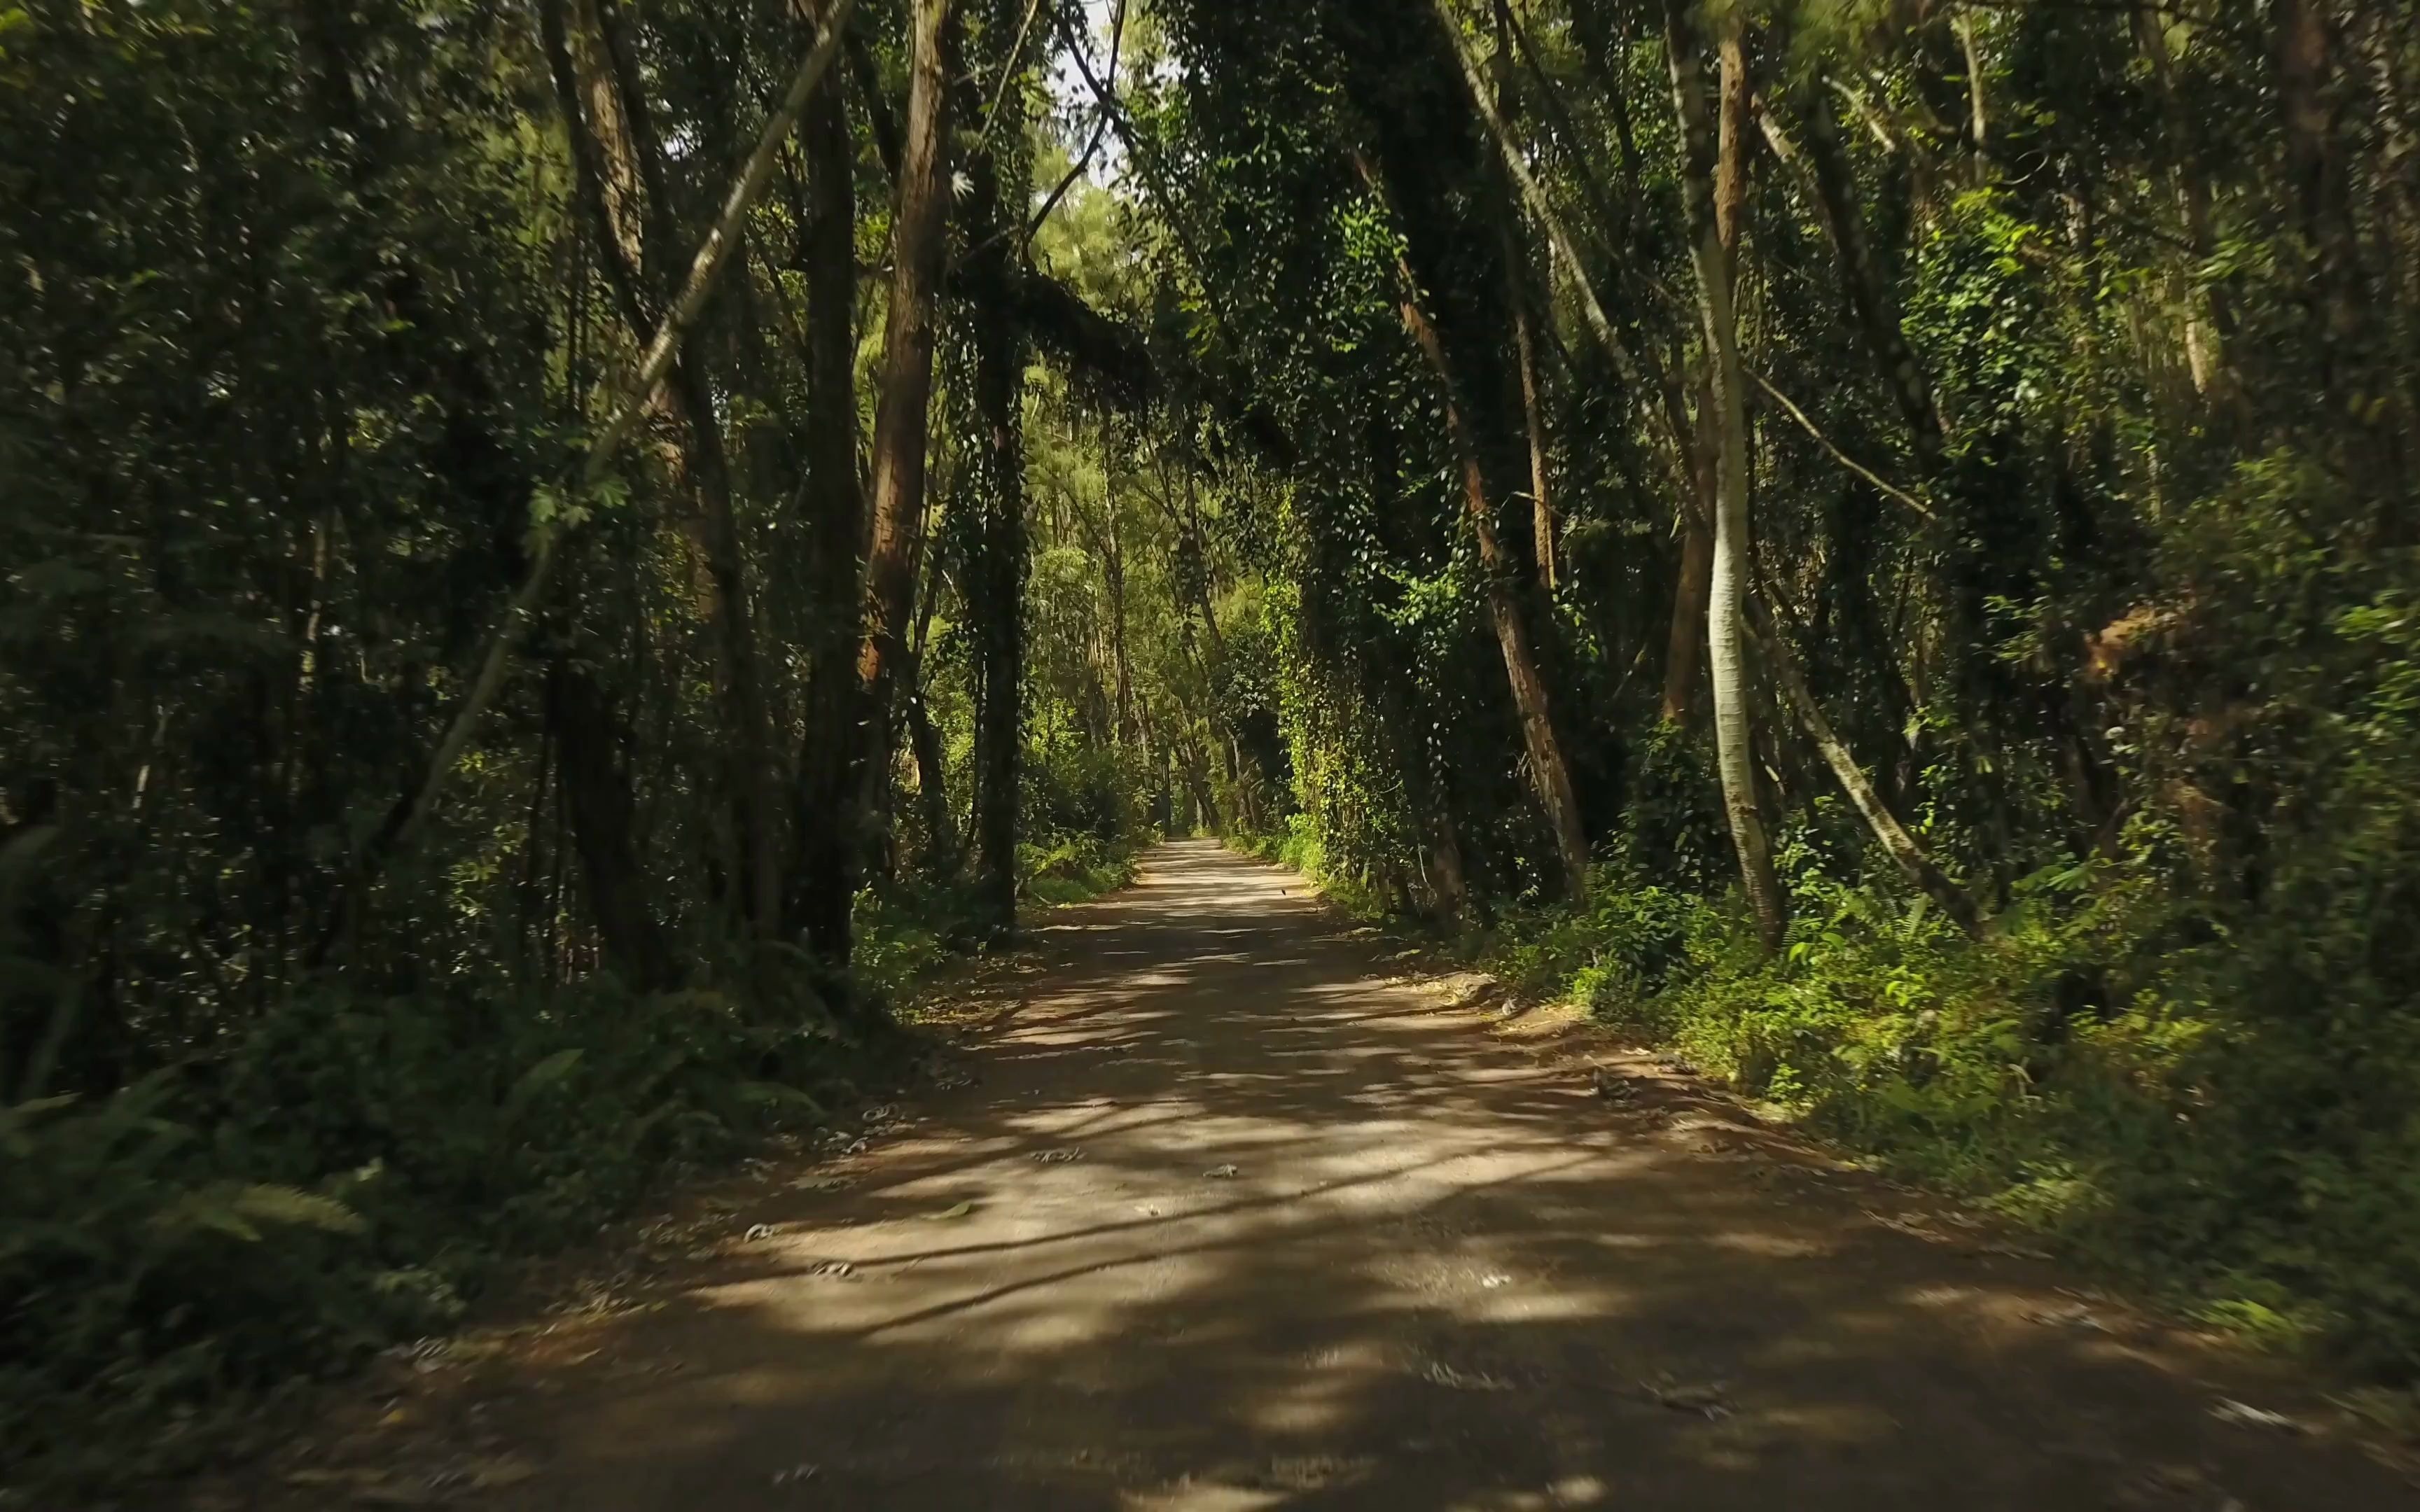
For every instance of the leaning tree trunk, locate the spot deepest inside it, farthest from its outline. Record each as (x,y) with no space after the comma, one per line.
(1525,343)
(1893,836)
(919,234)
(1687,451)
(1549,770)
(1726,662)
(638,394)
(1867,290)
(1542,503)
(634,240)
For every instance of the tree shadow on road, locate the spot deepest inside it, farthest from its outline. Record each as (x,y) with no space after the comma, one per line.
(1439,1276)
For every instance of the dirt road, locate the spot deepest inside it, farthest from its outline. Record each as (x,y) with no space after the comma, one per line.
(1233,1221)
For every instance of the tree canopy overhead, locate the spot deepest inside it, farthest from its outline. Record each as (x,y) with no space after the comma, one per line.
(560,553)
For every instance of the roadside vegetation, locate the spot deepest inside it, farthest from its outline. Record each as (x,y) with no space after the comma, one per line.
(561,555)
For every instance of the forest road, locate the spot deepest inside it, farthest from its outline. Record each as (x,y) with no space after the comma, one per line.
(1238,1218)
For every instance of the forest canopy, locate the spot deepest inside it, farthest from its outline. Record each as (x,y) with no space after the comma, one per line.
(563,554)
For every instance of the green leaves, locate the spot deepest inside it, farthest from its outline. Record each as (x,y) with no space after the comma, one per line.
(240,1209)
(551,1072)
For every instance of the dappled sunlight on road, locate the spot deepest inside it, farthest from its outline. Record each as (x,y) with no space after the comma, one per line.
(1235,1221)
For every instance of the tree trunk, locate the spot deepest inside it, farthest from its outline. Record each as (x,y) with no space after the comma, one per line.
(1549,772)
(616,142)
(905,384)
(1902,846)
(1446,881)
(1524,345)
(598,795)
(1869,291)
(919,239)
(1734,729)
(1542,505)
(817,897)
(932,777)
(1681,658)
(1689,597)
(996,573)
(746,723)
(2205,311)
(2315,165)
(999,579)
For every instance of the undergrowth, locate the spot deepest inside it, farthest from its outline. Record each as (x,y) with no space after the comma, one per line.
(349,1172)
(2165,1090)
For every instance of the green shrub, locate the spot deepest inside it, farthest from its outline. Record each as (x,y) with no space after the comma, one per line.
(1078,868)
(343,1176)
(2104,1064)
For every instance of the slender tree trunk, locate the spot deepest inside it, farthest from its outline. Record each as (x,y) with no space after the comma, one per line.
(1516,260)
(998,577)
(1869,291)
(748,725)
(614,138)
(1447,882)
(1902,846)
(1197,781)
(1542,503)
(2315,165)
(932,776)
(1549,772)
(905,384)
(1733,727)
(919,239)
(2205,313)
(817,896)
(995,576)
(1696,581)
(1113,564)
(1689,589)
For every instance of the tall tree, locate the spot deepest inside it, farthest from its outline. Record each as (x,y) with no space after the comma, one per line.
(1734,728)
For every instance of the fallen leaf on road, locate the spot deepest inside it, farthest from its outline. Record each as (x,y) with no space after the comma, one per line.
(319,1477)
(1056,1157)
(956,1211)
(1707,1401)
(1222,1173)
(757,1231)
(2074,1316)
(504,1470)
(1445,1375)
(2229,1409)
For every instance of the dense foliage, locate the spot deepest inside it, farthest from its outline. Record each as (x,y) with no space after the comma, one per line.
(2077,354)
(1874,543)
(313,319)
